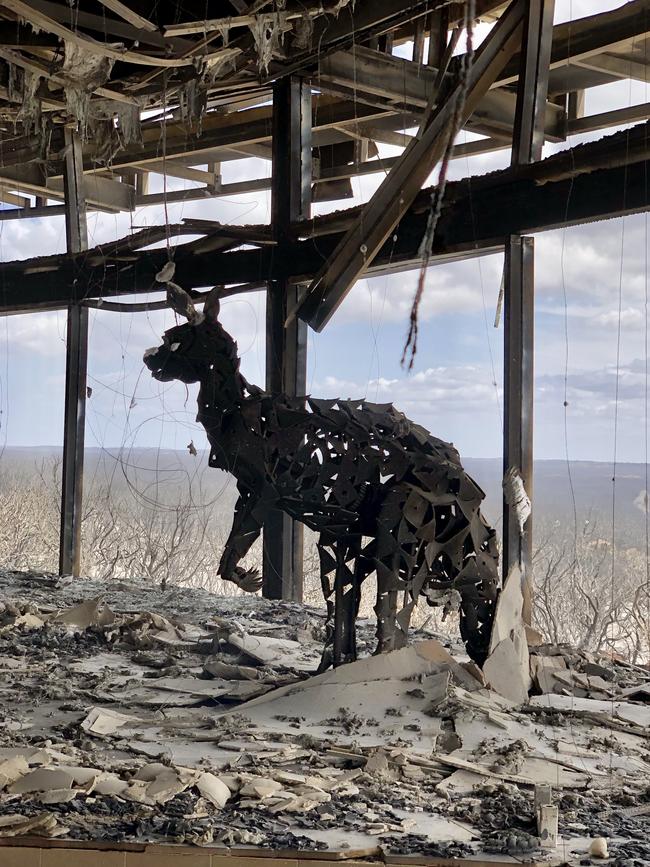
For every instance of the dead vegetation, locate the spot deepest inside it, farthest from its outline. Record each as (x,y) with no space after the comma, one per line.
(174,541)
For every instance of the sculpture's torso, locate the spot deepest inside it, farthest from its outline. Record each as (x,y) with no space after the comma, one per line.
(330,465)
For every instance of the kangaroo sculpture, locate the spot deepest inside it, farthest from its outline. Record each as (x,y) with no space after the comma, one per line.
(385,496)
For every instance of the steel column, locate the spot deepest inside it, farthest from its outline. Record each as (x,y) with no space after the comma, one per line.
(286,345)
(518,387)
(438,32)
(76,367)
(519,300)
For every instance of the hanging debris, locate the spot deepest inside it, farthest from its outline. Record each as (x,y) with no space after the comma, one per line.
(82,73)
(516,497)
(192,99)
(30,111)
(303,33)
(129,123)
(268,32)
(213,68)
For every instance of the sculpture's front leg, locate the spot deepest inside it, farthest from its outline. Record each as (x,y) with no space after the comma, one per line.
(246,528)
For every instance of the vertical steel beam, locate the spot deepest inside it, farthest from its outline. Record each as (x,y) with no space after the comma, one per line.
(418,41)
(518,373)
(76,367)
(530,113)
(576,107)
(438,31)
(519,295)
(286,345)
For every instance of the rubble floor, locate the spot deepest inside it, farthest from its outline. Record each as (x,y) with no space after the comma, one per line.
(131,714)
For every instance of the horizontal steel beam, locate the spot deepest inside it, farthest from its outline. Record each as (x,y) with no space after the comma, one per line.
(576,40)
(237,188)
(406,83)
(478,215)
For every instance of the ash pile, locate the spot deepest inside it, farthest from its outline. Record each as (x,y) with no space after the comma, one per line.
(128,714)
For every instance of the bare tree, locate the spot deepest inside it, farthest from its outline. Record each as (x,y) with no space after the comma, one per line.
(587,593)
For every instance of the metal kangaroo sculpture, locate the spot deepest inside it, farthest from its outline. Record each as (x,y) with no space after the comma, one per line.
(385,495)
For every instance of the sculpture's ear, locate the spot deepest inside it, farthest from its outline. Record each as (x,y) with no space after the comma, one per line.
(213,304)
(181,303)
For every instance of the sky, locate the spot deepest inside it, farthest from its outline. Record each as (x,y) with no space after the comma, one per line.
(591,324)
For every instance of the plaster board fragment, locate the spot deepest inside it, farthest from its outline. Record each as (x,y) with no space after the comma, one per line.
(57,796)
(89,613)
(213,789)
(276,651)
(543,670)
(503,672)
(104,721)
(42,780)
(12,769)
(508,643)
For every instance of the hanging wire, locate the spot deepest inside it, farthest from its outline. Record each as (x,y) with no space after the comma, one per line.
(437,197)
(646,407)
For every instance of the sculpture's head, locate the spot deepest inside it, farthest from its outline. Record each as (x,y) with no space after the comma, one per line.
(199,349)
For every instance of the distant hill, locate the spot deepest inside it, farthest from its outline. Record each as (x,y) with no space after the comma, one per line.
(590,486)
(159,474)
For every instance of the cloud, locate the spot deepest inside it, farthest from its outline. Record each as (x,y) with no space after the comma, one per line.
(631,317)
(597,392)
(459,388)
(42,334)
(462,287)
(454,402)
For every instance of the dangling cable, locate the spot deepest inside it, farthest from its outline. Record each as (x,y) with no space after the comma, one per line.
(437,197)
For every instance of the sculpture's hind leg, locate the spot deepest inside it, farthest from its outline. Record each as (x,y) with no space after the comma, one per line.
(456,556)
(396,557)
(342,573)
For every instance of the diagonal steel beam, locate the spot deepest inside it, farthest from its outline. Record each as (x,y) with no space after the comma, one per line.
(379,217)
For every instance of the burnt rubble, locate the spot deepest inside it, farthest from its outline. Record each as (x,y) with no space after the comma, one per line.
(134,715)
